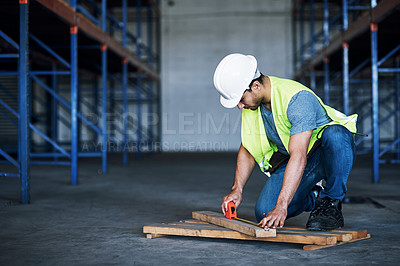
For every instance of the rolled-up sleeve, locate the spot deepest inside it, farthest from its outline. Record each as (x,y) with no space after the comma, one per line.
(302,113)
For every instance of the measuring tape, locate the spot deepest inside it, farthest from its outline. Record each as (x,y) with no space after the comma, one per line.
(231,214)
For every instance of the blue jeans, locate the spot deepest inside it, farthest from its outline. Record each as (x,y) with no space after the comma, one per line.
(333,160)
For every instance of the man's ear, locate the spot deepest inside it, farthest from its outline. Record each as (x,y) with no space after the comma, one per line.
(257,85)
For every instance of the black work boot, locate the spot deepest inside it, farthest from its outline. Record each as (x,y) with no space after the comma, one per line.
(327,215)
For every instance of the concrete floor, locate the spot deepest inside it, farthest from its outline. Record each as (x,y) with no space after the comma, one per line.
(99,221)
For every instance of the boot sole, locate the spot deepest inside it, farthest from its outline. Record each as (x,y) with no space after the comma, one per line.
(316,227)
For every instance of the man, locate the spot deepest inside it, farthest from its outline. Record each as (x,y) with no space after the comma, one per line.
(283,119)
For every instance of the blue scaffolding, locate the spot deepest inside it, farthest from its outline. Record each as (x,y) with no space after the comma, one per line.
(350,78)
(118,90)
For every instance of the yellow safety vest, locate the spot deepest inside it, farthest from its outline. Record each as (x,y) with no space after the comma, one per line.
(254,138)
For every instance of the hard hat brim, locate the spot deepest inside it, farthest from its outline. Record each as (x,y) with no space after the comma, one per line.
(229,103)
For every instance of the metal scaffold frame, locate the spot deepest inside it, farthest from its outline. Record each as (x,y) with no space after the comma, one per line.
(23,116)
(376,69)
(145,89)
(338,32)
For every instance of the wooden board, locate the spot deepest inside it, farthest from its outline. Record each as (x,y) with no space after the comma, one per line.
(214,231)
(355,234)
(311,239)
(340,235)
(314,247)
(221,220)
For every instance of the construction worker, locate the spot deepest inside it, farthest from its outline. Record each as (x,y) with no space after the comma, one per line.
(296,140)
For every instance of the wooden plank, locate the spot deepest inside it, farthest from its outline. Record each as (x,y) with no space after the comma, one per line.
(355,234)
(215,231)
(221,220)
(315,247)
(313,240)
(302,237)
(191,225)
(151,236)
(193,221)
(340,236)
(182,230)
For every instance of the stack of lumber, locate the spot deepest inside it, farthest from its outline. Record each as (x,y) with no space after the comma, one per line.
(215,225)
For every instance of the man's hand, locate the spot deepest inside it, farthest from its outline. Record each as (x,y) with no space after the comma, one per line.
(235,196)
(275,218)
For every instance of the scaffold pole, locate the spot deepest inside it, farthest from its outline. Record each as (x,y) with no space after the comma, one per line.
(139,78)
(24,104)
(74,104)
(104,88)
(375,101)
(125,84)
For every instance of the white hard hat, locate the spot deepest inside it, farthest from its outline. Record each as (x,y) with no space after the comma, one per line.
(233,76)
